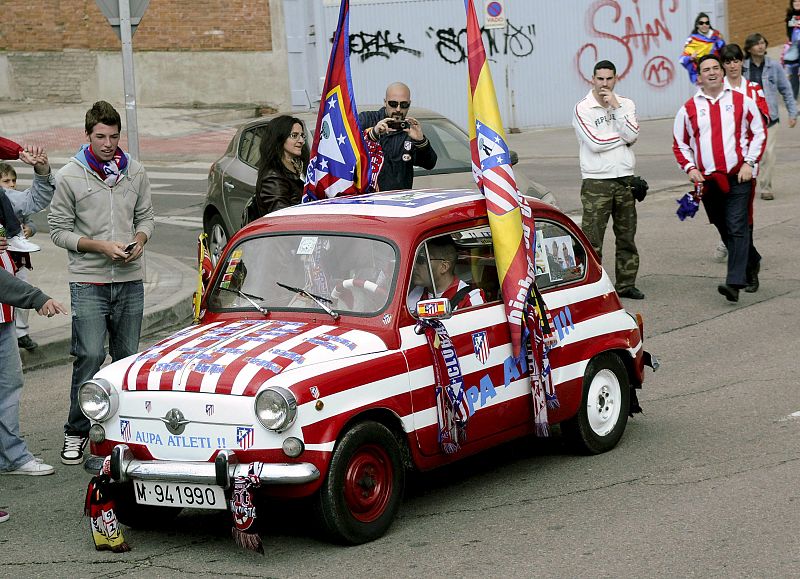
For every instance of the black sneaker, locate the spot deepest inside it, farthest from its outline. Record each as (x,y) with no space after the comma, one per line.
(72,451)
(731,293)
(26,342)
(632,293)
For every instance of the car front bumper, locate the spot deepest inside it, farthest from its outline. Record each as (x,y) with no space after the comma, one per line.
(124,468)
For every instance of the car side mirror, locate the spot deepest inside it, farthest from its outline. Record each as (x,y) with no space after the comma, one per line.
(514,157)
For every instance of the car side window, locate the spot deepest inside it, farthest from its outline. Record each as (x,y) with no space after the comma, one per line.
(250,145)
(459,266)
(560,257)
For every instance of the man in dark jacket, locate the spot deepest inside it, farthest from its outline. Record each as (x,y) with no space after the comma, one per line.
(403,148)
(14,455)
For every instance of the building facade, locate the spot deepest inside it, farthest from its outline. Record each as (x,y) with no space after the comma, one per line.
(274,53)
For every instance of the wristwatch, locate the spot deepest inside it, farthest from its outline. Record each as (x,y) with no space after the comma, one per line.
(751,163)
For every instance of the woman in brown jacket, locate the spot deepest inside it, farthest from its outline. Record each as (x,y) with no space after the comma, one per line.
(281,168)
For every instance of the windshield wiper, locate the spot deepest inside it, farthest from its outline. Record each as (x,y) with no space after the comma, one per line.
(319,300)
(249,298)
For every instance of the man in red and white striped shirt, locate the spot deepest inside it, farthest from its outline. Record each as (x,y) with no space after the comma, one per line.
(719,136)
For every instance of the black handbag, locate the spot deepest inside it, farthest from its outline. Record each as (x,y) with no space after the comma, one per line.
(637,186)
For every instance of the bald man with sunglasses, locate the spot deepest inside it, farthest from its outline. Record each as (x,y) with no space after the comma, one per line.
(403,148)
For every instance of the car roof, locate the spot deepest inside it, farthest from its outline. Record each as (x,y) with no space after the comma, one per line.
(419,209)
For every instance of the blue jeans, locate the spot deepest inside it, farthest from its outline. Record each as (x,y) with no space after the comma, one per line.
(793,72)
(114,310)
(13,451)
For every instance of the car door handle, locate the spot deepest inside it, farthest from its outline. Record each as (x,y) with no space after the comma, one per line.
(227,185)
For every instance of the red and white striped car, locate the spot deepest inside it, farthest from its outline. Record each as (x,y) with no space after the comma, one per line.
(307,371)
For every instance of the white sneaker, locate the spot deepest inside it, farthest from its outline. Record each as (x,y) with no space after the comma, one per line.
(22,245)
(4,516)
(33,467)
(720,253)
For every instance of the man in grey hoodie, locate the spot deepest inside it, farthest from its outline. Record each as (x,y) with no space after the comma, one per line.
(102,214)
(15,458)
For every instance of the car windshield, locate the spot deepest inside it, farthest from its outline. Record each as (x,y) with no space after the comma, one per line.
(348,274)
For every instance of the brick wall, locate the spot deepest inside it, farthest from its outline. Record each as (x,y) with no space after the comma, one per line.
(167,25)
(764,16)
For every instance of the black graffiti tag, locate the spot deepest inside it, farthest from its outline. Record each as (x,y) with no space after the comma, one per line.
(380,43)
(516,40)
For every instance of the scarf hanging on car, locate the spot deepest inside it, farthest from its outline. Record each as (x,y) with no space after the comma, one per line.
(99,507)
(452,411)
(109,171)
(538,336)
(243,510)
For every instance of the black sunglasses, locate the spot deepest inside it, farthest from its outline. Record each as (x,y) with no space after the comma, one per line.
(704,23)
(401,104)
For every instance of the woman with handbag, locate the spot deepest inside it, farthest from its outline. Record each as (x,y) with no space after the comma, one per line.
(281,168)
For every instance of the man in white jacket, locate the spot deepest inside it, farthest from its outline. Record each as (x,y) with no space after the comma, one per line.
(607,128)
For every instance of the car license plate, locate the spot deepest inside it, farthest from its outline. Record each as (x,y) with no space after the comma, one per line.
(164,494)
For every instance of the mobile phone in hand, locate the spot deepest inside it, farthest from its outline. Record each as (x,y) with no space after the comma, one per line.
(130,246)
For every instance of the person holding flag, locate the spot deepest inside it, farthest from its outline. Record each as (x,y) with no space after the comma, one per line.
(510,221)
(339,163)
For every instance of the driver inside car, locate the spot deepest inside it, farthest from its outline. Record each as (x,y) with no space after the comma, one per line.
(435,277)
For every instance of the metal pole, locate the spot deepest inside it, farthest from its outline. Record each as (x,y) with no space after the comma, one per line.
(128,77)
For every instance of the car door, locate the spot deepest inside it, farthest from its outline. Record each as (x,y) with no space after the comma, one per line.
(239,177)
(497,389)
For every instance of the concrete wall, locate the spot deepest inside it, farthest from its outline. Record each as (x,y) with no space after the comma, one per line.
(185,51)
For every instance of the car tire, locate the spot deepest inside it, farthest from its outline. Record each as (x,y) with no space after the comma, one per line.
(603,413)
(137,516)
(217,237)
(361,493)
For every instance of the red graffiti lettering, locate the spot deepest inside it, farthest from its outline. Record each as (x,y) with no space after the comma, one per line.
(638,36)
(658,72)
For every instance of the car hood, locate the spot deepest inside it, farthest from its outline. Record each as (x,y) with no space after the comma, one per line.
(237,357)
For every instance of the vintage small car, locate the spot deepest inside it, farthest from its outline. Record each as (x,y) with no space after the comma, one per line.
(308,366)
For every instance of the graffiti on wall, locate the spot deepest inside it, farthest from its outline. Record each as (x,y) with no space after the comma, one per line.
(514,40)
(450,44)
(382,43)
(637,38)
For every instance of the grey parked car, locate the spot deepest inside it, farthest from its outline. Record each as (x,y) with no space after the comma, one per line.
(232,178)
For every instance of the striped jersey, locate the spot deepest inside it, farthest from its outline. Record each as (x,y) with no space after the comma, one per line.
(754,91)
(718,134)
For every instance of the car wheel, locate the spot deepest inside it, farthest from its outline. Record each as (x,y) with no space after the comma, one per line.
(137,516)
(603,413)
(361,493)
(217,237)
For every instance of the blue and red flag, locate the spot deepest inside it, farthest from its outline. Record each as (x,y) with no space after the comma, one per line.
(339,164)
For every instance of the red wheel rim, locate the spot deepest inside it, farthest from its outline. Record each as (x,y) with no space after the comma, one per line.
(368,483)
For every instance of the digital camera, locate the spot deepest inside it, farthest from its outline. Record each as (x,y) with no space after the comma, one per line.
(397,125)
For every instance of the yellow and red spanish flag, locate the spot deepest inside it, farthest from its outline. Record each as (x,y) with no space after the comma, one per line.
(491,167)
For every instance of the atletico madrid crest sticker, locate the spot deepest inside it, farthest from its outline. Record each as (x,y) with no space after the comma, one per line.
(480,342)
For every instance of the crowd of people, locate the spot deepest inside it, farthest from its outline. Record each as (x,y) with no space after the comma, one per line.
(724,140)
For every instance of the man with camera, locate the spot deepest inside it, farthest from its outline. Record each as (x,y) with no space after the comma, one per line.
(606,125)
(401,137)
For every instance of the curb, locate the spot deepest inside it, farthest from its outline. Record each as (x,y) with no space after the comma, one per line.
(168,303)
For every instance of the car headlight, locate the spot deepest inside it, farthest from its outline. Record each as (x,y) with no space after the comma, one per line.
(276,408)
(97,399)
